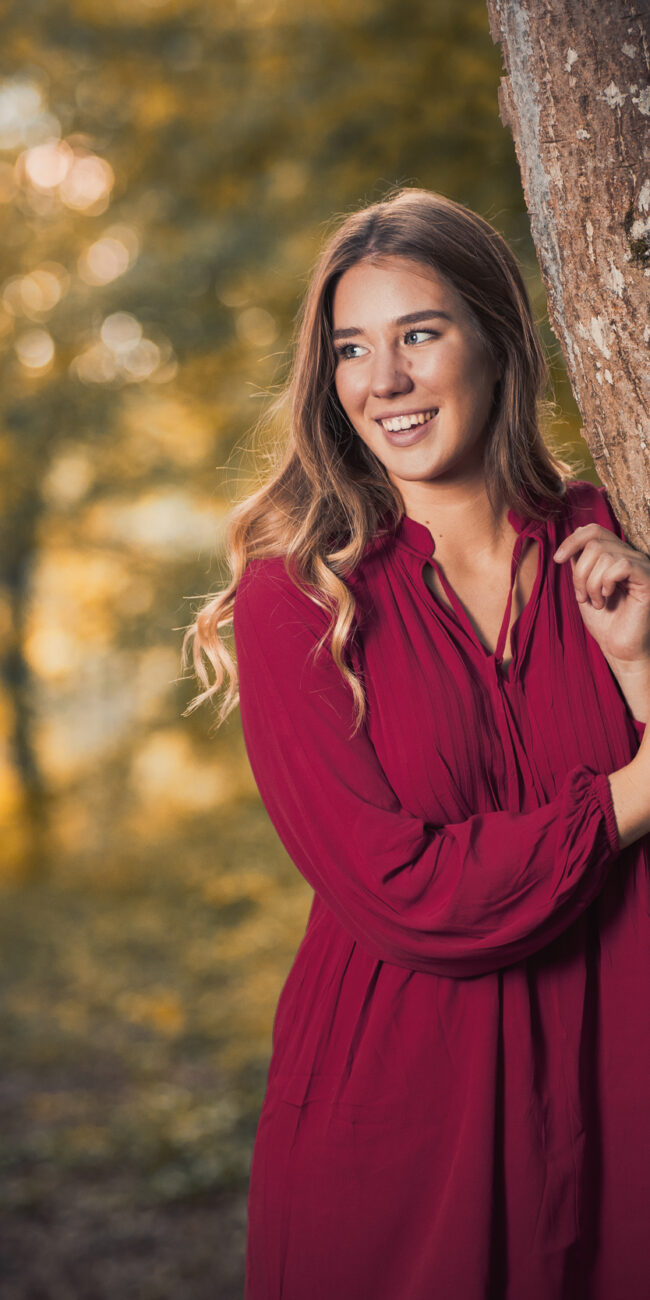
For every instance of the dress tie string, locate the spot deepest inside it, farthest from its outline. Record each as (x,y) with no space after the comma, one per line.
(501,641)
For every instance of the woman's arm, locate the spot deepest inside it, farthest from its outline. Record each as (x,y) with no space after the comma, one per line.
(459,899)
(630,787)
(634,682)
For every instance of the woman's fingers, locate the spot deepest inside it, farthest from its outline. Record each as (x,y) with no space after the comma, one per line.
(579,538)
(616,571)
(611,582)
(590,570)
(596,562)
(600,561)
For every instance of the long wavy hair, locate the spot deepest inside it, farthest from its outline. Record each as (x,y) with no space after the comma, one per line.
(327,493)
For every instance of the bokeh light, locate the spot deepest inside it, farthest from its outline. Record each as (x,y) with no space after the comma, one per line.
(47,165)
(38,292)
(69,477)
(88,184)
(121,353)
(256,326)
(75,177)
(121,332)
(35,350)
(24,118)
(109,256)
(96,365)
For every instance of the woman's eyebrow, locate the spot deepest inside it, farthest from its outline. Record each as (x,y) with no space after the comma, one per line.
(410,319)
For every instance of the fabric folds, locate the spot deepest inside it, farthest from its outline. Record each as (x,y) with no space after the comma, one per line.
(457,1095)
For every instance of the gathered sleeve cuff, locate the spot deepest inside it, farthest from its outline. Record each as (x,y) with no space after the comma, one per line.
(460,899)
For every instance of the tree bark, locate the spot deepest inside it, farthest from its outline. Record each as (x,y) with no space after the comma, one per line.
(576,98)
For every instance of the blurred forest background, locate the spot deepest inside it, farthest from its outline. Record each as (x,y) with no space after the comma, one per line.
(168,170)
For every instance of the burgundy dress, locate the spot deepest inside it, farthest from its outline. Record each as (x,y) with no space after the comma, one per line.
(457,1099)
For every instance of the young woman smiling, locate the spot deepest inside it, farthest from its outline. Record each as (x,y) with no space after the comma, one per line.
(443,663)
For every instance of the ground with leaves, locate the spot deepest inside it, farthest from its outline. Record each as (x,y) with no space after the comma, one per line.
(135,1036)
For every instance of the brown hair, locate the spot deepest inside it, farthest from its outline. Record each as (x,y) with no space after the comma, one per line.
(328,489)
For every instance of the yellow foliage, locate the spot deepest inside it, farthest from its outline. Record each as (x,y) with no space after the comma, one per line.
(161,1009)
(179,426)
(154,105)
(247,882)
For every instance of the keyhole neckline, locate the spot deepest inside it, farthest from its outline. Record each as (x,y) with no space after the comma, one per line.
(419,538)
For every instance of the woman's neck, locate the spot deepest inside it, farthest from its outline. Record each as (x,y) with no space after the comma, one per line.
(464,529)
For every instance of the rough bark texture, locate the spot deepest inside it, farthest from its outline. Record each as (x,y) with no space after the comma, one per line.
(577,101)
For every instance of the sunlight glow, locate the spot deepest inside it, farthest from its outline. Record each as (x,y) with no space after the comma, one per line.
(68,478)
(121,331)
(24,119)
(165,524)
(97,365)
(82,181)
(122,353)
(88,184)
(37,292)
(110,255)
(47,165)
(167,774)
(35,349)
(40,291)
(257,327)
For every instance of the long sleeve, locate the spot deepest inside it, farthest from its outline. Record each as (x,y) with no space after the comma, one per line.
(459,899)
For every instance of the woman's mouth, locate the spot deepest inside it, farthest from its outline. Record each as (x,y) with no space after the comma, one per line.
(402,430)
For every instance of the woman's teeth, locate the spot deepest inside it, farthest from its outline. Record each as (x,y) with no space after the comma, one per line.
(407,421)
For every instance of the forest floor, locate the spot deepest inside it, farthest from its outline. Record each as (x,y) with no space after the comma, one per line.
(73,1249)
(136,1005)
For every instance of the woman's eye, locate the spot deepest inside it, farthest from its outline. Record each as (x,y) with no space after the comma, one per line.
(348,349)
(417,335)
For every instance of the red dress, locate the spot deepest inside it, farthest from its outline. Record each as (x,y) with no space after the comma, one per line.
(457,1099)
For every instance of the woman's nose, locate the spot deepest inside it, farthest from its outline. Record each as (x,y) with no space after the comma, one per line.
(389,374)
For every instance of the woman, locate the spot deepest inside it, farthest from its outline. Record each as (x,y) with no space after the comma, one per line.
(443,656)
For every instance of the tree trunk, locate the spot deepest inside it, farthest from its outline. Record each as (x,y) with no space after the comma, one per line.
(577,101)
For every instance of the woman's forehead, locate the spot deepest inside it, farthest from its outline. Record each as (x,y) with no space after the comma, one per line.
(389,282)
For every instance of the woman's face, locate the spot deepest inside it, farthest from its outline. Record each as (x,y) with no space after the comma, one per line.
(408,355)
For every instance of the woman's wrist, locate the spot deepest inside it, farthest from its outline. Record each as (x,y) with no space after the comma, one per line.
(633,678)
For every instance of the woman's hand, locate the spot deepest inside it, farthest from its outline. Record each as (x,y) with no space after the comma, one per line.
(612,586)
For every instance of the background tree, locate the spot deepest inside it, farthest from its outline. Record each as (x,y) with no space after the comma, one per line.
(577,99)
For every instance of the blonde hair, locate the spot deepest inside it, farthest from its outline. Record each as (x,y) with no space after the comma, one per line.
(329,494)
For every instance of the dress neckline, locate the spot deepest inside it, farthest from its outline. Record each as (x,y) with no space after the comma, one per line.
(419,538)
